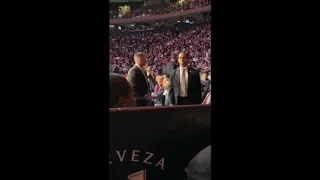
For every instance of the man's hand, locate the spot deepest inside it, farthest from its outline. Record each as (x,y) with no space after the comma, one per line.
(171,105)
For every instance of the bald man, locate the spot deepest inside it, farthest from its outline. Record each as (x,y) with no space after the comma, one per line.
(185,83)
(121,92)
(137,77)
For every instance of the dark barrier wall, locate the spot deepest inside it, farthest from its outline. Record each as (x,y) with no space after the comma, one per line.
(157,142)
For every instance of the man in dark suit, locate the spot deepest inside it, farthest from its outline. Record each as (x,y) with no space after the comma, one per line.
(137,77)
(200,166)
(205,84)
(171,65)
(185,83)
(151,80)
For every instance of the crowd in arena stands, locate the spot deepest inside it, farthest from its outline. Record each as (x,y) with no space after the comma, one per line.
(113,14)
(172,7)
(160,45)
(139,28)
(146,27)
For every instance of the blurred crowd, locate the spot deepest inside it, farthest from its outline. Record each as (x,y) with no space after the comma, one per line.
(161,45)
(146,27)
(172,7)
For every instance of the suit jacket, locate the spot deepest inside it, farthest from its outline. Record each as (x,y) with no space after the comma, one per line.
(205,88)
(157,96)
(164,69)
(166,99)
(194,85)
(152,82)
(170,67)
(200,166)
(139,83)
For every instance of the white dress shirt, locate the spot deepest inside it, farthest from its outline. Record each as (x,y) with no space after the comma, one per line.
(165,92)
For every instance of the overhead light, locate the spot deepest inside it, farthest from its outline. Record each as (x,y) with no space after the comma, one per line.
(178,21)
(132,24)
(111,25)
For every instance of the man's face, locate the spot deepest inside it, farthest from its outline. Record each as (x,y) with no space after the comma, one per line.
(148,68)
(143,60)
(183,61)
(204,76)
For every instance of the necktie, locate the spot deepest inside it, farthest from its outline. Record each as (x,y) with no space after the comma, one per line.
(183,87)
(158,88)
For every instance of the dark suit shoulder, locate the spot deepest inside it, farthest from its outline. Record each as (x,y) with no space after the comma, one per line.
(133,68)
(130,69)
(173,63)
(174,71)
(194,70)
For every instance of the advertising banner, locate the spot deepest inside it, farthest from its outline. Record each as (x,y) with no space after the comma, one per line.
(156,142)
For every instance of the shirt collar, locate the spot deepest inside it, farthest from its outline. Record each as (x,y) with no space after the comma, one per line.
(183,67)
(138,66)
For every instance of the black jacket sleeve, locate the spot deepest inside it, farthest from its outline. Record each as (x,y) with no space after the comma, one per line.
(133,81)
(152,82)
(171,94)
